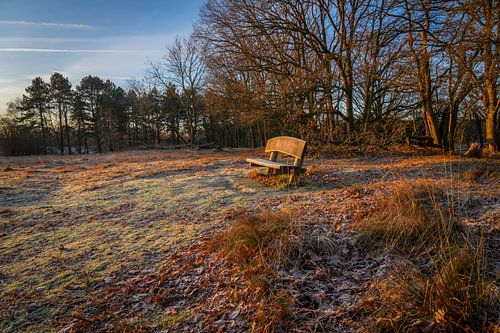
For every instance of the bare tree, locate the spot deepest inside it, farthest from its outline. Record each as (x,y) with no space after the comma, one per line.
(183,65)
(481,20)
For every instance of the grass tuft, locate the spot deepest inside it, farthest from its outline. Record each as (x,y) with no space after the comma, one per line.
(279,182)
(482,174)
(259,247)
(272,239)
(455,296)
(410,219)
(441,281)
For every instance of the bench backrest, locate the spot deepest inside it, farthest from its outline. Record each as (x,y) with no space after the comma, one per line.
(288,146)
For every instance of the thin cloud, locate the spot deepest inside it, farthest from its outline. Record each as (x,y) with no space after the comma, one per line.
(48,39)
(33,50)
(50,24)
(122,78)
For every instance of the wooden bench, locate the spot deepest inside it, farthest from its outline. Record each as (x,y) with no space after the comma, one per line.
(287,146)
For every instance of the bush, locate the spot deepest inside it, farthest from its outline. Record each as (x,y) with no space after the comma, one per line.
(482,174)
(455,296)
(272,240)
(279,182)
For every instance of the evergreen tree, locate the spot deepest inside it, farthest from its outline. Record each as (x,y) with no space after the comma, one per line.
(35,104)
(60,90)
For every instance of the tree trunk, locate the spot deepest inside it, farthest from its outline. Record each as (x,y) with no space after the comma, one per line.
(349,113)
(479,127)
(67,129)
(61,133)
(452,125)
(490,130)
(79,138)
(42,129)
(330,114)
(86,143)
(443,127)
(97,132)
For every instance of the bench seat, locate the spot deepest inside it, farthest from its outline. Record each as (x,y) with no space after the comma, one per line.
(267,163)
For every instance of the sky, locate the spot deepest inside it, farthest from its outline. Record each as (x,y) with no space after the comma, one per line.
(112,39)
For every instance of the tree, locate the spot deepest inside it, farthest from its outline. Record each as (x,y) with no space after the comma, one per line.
(61,94)
(172,106)
(81,119)
(18,134)
(91,90)
(183,65)
(113,116)
(35,104)
(482,36)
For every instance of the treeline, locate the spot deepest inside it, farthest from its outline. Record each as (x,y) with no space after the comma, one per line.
(96,116)
(354,72)
(52,117)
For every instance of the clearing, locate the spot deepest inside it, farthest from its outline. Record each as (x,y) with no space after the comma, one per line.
(118,241)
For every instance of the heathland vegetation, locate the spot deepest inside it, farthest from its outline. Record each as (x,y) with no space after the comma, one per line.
(185,241)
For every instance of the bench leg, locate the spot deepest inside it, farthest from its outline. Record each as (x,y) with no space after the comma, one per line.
(270,172)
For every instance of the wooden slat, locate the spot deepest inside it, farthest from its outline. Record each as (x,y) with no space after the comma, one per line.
(266,163)
(281,167)
(287,145)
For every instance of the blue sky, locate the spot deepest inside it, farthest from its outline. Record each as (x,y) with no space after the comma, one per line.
(110,38)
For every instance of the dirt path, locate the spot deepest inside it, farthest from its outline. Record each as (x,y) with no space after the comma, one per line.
(73,226)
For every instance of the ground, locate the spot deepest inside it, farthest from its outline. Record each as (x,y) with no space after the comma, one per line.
(116,241)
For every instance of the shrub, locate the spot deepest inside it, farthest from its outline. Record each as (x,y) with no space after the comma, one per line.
(454,297)
(272,239)
(482,174)
(279,182)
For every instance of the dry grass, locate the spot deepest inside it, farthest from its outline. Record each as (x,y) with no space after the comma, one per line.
(482,174)
(271,240)
(248,245)
(440,282)
(410,219)
(76,226)
(258,247)
(279,182)
(455,296)
(70,226)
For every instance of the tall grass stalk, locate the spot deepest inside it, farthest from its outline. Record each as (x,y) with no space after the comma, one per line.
(444,282)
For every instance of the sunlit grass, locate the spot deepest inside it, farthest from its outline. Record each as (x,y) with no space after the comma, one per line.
(76,225)
(71,227)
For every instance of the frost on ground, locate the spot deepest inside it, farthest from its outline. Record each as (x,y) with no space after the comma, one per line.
(123,241)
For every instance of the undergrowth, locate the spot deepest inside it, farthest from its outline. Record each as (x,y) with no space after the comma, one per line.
(271,240)
(411,220)
(258,247)
(482,174)
(279,182)
(440,283)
